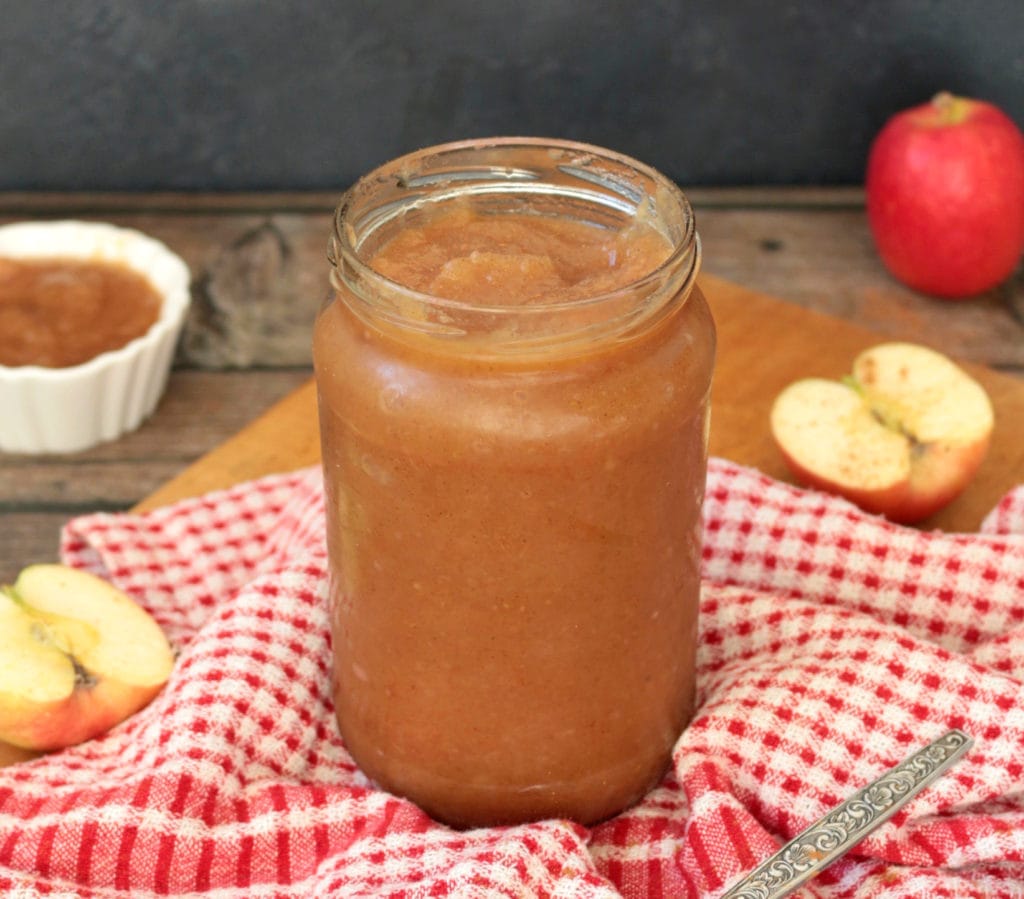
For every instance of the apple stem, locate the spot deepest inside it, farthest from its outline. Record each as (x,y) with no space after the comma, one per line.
(854,385)
(951,108)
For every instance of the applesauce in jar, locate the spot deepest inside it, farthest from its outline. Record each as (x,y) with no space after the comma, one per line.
(513,376)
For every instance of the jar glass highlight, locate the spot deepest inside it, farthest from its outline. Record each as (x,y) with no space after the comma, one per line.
(513,493)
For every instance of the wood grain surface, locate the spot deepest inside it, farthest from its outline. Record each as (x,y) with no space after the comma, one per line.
(763,344)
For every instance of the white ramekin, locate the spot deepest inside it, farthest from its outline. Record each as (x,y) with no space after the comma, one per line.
(64,410)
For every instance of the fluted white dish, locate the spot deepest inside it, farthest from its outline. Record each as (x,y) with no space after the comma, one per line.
(63,410)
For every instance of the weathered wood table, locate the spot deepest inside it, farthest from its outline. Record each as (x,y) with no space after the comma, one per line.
(260,273)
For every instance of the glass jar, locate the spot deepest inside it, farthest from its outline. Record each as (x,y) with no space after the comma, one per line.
(514,493)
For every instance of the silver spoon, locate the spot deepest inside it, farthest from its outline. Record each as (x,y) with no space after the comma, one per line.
(839,830)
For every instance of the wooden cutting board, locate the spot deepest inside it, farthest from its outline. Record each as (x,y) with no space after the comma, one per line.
(763,344)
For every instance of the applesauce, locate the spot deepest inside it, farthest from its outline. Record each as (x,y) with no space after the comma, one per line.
(513,377)
(59,312)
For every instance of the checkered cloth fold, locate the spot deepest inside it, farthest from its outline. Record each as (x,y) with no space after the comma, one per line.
(832,645)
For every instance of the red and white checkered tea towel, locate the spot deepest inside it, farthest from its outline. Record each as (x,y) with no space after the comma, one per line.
(833,644)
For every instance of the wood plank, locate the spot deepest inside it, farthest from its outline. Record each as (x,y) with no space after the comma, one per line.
(824,259)
(199,411)
(29,536)
(764,343)
(284,438)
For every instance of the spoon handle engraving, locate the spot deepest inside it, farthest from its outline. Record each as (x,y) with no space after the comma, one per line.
(812,850)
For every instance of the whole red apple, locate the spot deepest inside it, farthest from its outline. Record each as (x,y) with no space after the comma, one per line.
(945,196)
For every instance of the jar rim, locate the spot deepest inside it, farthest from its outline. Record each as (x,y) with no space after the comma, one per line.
(343,247)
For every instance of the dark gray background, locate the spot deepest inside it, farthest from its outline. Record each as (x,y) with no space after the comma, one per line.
(246,95)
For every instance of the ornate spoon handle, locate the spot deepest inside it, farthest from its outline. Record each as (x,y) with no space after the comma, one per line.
(812,850)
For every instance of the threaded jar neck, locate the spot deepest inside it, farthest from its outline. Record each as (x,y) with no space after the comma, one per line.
(522,177)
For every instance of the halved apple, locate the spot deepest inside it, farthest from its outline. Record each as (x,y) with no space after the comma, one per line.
(77,656)
(901,437)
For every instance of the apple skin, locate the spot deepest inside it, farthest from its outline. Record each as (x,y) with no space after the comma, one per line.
(945,196)
(99,656)
(932,484)
(902,437)
(84,714)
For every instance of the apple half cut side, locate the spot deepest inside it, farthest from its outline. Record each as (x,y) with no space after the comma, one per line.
(901,437)
(77,656)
